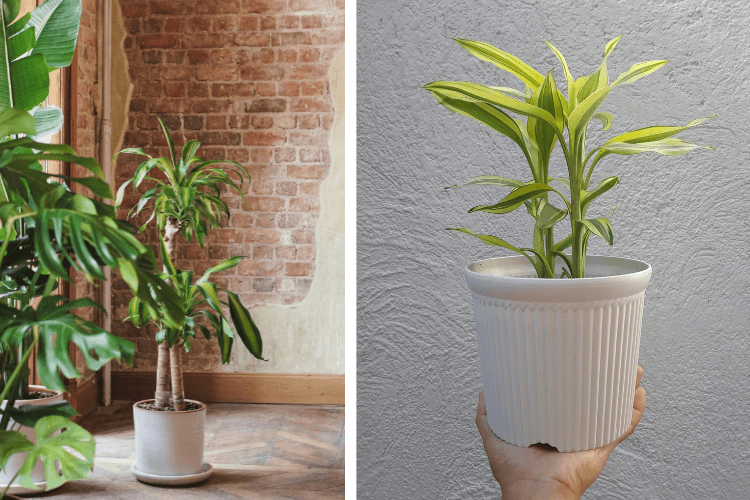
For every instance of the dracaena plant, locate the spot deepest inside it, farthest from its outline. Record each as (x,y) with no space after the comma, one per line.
(187,203)
(552,119)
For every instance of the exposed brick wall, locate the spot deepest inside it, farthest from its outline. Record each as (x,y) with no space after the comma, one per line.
(249,80)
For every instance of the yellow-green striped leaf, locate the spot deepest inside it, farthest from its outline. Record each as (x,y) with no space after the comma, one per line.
(603,187)
(548,98)
(475,92)
(666,147)
(548,215)
(503,60)
(490,180)
(488,239)
(568,76)
(637,71)
(655,133)
(606,118)
(583,113)
(600,227)
(515,199)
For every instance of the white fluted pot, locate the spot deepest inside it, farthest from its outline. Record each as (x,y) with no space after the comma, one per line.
(15,462)
(558,357)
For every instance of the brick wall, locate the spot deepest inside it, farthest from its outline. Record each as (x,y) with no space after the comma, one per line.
(249,80)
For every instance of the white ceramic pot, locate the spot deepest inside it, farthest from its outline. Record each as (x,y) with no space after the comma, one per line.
(169,444)
(558,357)
(16,461)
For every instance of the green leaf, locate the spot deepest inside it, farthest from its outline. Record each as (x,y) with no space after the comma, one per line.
(546,97)
(49,120)
(488,115)
(603,187)
(29,80)
(474,92)
(568,77)
(666,147)
(56,23)
(245,326)
(10,11)
(227,264)
(21,44)
(515,199)
(563,244)
(601,227)
(656,133)
(168,136)
(548,215)
(12,442)
(580,117)
(637,71)
(28,415)
(488,239)
(54,434)
(503,60)
(121,193)
(16,121)
(510,92)
(606,118)
(489,180)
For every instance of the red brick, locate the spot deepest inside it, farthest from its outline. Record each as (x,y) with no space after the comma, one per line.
(263,6)
(174,57)
(239,121)
(302,236)
(327,37)
(249,39)
(153,25)
(286,188)
(310,104)
(139,9)
(305,5)
(202,41)
(266,221)
(314,88)
(294,38)
(309,72)
(288,22)
(267,23)
(174,89)
(300,205)
(248,23)
(308,121)
(228,235)
(220,138)
(309,155)
(309,55)
(262,188)
(266,89)
(198,89)
(309,188)
(270,268)
(311,22)
(216,122)
(267,236)
(158,41)
(262,122)
(198,56)
(265,204)
(242,219)
(218,7)
(285,154)
(288,252)
(286,121)
(263,55)
(297,269)
(248,267)
(238,155)
(222,57)
(227,23)
(306,252)
(174,25)
(289,88)
(262,72)
(288,55)
(212,73)
(262,155)
(306,171)
(266,106)
(287,220)
(170,7)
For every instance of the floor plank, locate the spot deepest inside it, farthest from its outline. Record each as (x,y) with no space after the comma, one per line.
(259,451)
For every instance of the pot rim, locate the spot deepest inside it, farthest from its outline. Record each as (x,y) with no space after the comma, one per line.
(39,388)
(645,269)
(202,408)
(507,278)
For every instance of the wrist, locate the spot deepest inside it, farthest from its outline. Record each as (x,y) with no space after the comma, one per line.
(538,490)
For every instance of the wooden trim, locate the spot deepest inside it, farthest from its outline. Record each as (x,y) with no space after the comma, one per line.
(210,387)
(84,398)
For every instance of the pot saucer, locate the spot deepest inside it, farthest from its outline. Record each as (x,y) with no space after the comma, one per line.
(173,480)
(17,489)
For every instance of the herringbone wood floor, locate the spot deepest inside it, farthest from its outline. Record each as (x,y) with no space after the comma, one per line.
(258,452)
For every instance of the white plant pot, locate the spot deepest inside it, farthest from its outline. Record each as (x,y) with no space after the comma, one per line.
(558,357)
(169,445)
(16,461)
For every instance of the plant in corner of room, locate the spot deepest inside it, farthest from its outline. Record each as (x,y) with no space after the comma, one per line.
(44,231)
(188,203)
(550,116)
(582,335)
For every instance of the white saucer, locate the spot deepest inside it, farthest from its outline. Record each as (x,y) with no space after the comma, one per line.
(173,480)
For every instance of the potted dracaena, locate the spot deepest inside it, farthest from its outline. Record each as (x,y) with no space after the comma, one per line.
(558,356)
(169,429)
(44,231)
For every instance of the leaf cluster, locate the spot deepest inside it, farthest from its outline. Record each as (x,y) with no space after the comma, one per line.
(553,119)
(191,193)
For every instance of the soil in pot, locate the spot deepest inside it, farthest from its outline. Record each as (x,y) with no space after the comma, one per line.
(152,407)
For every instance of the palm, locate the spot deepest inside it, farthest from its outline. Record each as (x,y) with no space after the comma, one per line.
(542,464)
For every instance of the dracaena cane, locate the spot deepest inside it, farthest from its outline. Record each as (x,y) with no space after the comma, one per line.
(551,118)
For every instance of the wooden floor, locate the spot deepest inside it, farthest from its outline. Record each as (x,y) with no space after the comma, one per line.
(257,451)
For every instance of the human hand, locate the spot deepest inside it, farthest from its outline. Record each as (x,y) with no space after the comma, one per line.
(540,471)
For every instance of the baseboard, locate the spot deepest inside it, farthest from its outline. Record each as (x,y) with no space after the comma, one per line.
(212,387)
(85,398)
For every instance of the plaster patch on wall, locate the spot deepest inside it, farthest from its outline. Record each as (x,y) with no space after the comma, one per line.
(309,337)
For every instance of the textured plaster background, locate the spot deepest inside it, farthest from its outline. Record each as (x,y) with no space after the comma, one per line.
(418,369)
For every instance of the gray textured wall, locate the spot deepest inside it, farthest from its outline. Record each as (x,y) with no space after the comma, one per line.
(418,369)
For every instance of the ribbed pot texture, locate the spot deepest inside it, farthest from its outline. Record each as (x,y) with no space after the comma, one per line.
(558,357)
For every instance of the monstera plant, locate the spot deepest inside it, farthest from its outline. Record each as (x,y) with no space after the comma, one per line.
(45,230)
